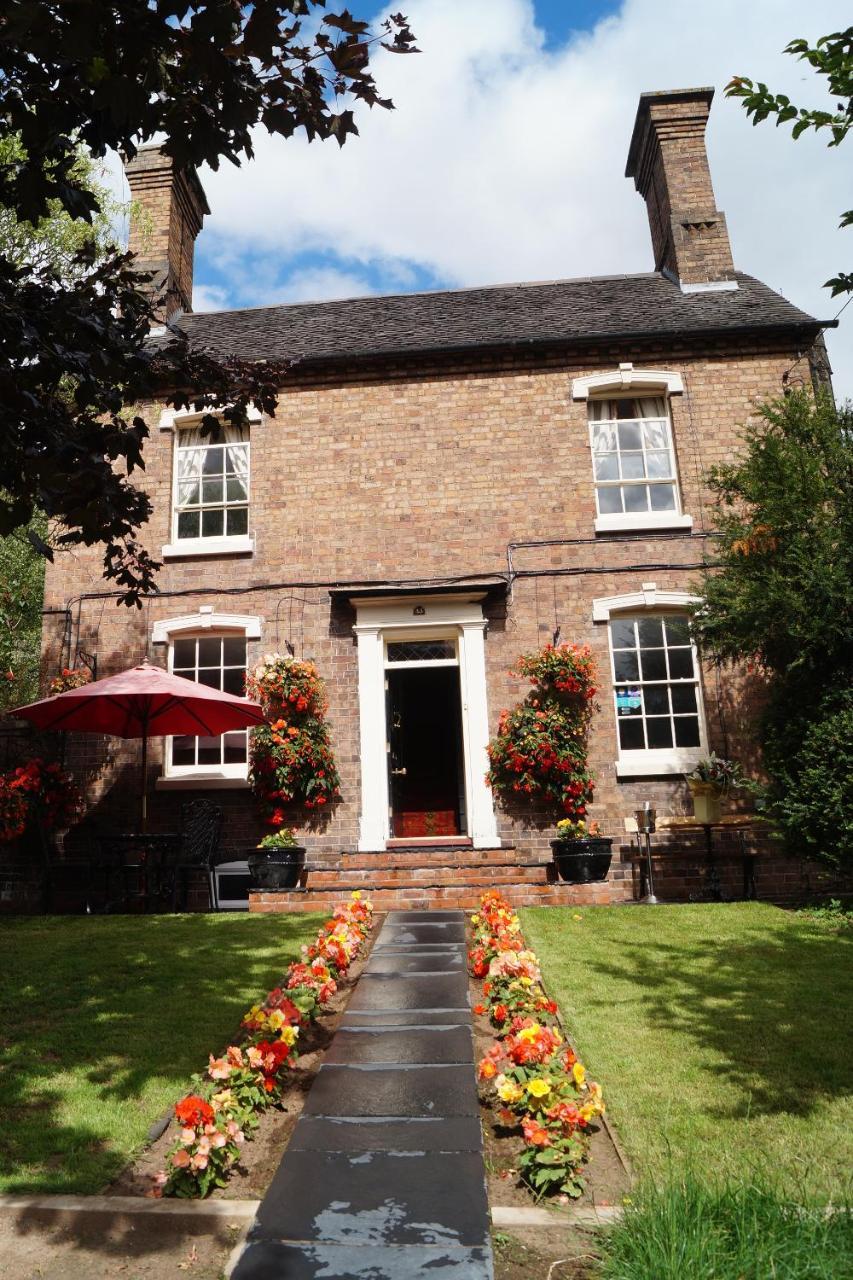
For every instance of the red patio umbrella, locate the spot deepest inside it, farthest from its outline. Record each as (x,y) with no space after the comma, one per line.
(141,701)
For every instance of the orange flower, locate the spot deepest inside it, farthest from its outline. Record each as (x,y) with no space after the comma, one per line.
(487,1069)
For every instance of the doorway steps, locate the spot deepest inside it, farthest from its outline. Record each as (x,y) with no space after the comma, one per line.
(439,878)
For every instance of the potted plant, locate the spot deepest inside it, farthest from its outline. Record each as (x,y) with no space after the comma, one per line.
(581,854)
(709,782)
(278,861)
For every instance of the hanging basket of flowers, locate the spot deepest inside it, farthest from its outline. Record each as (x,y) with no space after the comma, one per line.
(38,791)
(540,750)
(291,757)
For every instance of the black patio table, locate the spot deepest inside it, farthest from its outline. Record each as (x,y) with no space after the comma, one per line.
(145,868)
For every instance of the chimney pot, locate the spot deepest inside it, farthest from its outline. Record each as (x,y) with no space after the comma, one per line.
(668,161)
(172,205)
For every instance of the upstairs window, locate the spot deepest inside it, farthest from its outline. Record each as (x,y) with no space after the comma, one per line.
(211,483)
(632,456)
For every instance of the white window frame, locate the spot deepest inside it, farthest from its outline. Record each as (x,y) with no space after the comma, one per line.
(206,622)
(668,760)
(628,381)
(175,421)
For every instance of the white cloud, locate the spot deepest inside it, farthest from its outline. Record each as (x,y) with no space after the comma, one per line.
(505,159)
(210,297)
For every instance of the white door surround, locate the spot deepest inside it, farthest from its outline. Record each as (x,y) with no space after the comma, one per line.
(421,618)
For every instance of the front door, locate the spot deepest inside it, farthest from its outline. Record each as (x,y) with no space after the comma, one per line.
(425,753)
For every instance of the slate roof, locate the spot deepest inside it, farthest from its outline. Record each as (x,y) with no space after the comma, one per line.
(557,313)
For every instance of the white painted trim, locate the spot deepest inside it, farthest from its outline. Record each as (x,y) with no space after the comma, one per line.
(172,419)
(642,520)
(647,598)
(239,545)
(627,378)
(200,782)
(206,620)
(710,286)
(379,620)
(648,764)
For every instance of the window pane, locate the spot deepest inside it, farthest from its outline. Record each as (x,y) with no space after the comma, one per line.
(213,460)
(236,490)
(212,491)
(654,664)
(650,631)
(237,521)
(683,698)
(681,664)
(183,750)
(606,466)
(235,747)
(636,497)
(686,731)
(210,750)
(658,465)
(604,438)
(234,651)
(610,500)
(188,494)
(209,652)
(233,681)
(630,436)
(677,630)
(188,524)
(211,676)
(655,435)
(656,700)
(212,523)
(421,650)
(631,735)
(625,665)
(633,467)
(659,733)
(183,654)
(663,497)
(622,634)
(237,460)
(624,408)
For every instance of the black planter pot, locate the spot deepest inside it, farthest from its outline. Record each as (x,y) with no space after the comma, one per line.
(276,868)
(582,861)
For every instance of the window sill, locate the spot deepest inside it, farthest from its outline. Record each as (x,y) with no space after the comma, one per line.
(200,782)
(655,764)
(642,520)
(239,546)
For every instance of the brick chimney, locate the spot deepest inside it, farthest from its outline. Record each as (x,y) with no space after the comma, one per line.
(669,164)
(172,205)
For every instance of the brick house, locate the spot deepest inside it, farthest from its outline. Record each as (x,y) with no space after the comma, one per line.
(451,479)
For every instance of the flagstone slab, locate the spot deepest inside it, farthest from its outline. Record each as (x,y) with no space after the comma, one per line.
(412,991)
(376,1019)
(393,1091)
(437,931)
(405,1045)
(272,1260)
(423,917)
(387,1133)
(403,962)
(376,1198)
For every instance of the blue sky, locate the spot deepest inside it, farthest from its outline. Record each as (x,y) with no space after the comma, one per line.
(504,160)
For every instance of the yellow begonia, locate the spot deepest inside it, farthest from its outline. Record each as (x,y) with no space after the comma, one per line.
(289,1035)
(508,1091)
(529,1033)
(579,1073)
(275,1019)
(538,1088)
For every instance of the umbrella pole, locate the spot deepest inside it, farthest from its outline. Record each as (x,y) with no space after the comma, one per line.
(144,796)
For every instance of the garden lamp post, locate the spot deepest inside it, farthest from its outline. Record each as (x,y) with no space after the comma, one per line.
(646,825)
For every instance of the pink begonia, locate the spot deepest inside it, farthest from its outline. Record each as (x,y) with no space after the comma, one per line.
(218,1069)
(188,1137)
(203,1146)
(181,1158)
(218,1140)
(199,1161)
(255,1056)
(234,1054)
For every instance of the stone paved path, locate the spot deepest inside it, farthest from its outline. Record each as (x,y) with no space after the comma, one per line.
(384,1176)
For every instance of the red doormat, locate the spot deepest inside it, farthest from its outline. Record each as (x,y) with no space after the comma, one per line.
(429,822)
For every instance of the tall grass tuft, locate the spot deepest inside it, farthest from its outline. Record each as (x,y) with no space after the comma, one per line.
(686,1229)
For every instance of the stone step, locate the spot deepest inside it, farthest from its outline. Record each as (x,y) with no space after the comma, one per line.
(345,879)
(428,856)
(463,897)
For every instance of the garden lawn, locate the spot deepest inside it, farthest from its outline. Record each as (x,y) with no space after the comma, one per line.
(722,1036)
(104,1019)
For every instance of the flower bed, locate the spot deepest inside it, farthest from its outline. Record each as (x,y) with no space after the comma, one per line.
(223,1108)
(530,1075)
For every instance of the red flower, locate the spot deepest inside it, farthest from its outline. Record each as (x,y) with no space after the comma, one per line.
(193,1111)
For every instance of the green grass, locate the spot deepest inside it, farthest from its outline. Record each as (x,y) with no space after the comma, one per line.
(685,1229)
(103,1020)
(721,1034)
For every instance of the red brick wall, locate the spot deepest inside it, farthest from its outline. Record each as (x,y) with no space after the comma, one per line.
(402,475)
